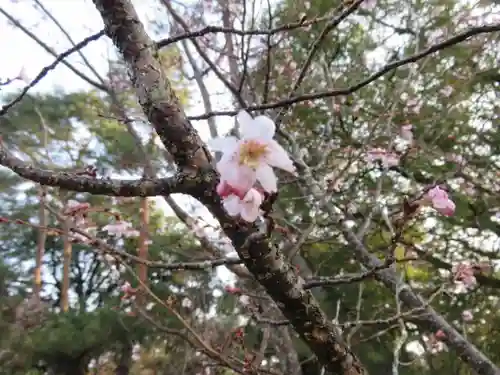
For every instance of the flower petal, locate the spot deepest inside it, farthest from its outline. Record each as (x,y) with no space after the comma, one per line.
(253,196)
(232,205)
(265,126)
(247,127)
(265,175)
(240,177)
(250,213)
(279,158)
(224,144)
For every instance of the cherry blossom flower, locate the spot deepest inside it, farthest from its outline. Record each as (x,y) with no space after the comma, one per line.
(440,201)
(248,207)
(250,159)
(74,207)
(232,290)
(467,316)
(440,335)
(463,273)
(406,132)
(388,159)
(121,228)
(446,91)
(128,291)
(414,105)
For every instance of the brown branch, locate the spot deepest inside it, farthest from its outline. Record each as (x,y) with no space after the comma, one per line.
(180,183)
(154,91)
(349,90)
(228,30)
(265,262)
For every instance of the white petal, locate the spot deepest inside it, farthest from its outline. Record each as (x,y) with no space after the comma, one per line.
(247,127)
(232,205)
(265,127)
(279,158)
(226,165)
(253,196)
(267,178)
(250,212)
(224,144)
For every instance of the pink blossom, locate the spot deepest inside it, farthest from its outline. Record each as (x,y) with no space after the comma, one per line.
(247,208)
(406,132)
(224,189)
(121,228)
(414,105)
(440,335)
(446,91)
(250,159)
(232,290)
(73,207)
(127,290)
(388,159)
(467,316)
(440,201)
(464,273)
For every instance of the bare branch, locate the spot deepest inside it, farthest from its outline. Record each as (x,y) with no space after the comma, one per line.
(48,68)
(51,51)
(181,183)
(228,30)
(349,90)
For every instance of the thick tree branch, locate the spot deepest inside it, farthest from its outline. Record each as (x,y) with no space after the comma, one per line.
(266,262)
(180,183)
(154,91)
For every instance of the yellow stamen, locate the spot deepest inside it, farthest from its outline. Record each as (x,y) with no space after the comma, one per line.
(251,153)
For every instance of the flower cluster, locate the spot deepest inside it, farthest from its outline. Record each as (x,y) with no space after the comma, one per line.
(246,167)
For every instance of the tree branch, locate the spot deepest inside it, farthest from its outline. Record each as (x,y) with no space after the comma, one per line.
(48,68)
(180,183)
(154,91)
(265,262)
(430,318)
(349,90)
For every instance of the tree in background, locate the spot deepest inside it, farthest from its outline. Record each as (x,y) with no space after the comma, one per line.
(377,256)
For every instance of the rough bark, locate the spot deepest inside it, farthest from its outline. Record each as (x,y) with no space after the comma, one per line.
(265,262)
(187,182)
